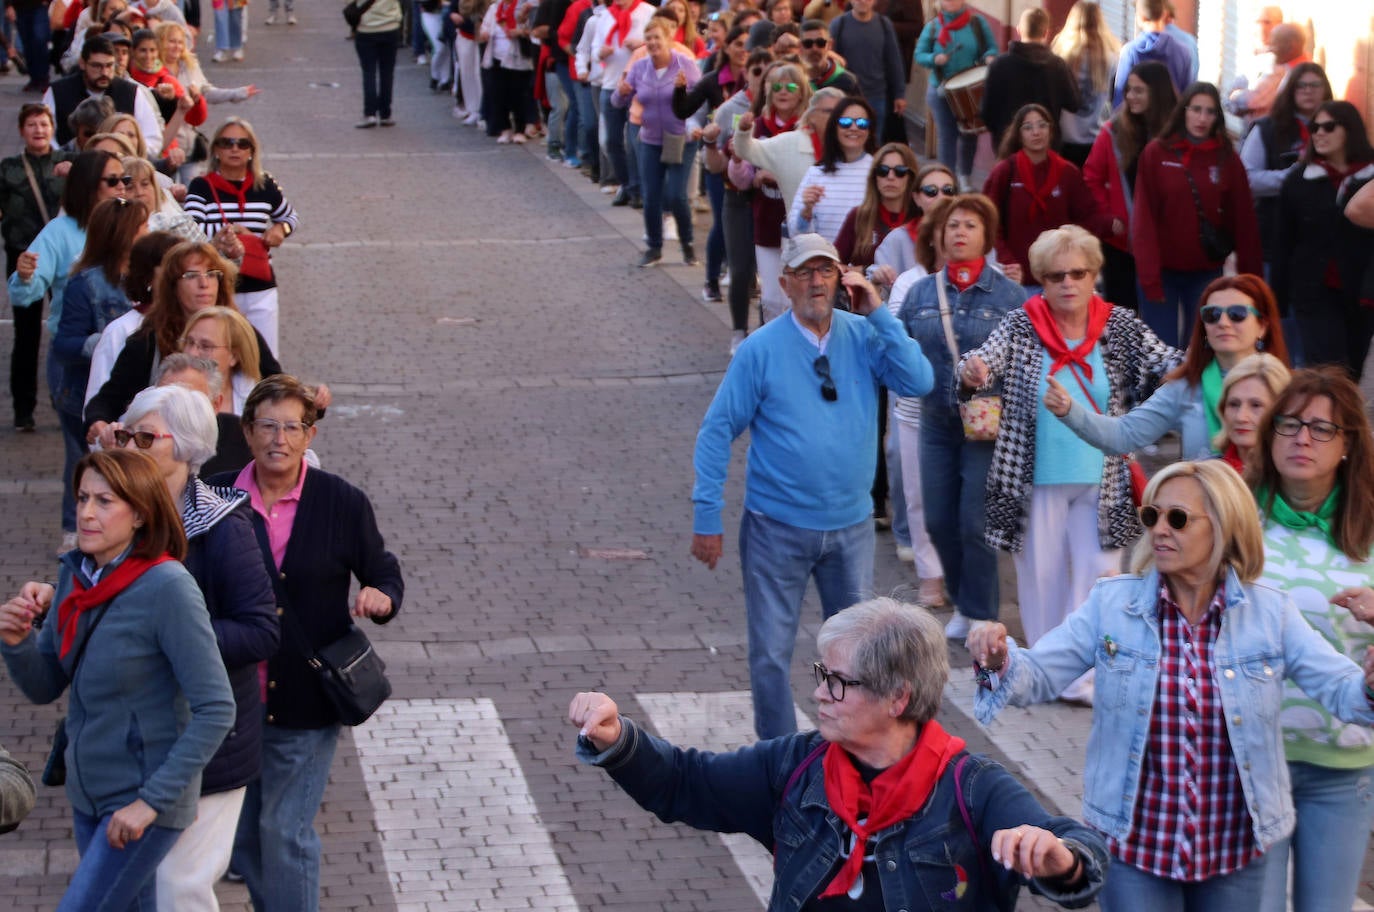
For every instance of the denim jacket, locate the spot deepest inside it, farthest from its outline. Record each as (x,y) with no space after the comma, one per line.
(1263,640)
(919,860)
(91,302)
(975,314)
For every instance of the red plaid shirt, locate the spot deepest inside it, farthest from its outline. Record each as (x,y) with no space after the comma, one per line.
(1191,822)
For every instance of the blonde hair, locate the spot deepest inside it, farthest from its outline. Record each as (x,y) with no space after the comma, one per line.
(138,168)
(1261,366)
(1086,38)
(1237,538)
(108,126)
(188,52)
(243,343)
(126,148)
(1061,240)
(254,160)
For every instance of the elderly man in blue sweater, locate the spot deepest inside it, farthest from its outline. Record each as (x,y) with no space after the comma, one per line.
(805,386)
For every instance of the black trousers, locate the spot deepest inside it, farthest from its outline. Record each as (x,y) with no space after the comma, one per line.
(511,94)
(28,334)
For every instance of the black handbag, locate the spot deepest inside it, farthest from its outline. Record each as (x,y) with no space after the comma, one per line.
(353,12)
(351,674)
(55,770)
(1217,243)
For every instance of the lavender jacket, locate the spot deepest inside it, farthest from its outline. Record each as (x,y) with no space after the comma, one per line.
(655,94)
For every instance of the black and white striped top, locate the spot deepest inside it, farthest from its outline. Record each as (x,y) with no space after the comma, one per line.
(257,210)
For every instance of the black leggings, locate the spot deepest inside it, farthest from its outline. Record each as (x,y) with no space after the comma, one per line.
(511,90)
(737,222)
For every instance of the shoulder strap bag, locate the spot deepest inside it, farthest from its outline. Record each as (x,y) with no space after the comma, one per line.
(33,185)
(349,670)
(55,769)
(353,12)
(981,414)
(1216,241)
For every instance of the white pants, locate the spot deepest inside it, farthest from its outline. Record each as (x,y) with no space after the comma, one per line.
(186,878)
(1061,559)
(772,302)
(469,74)
(260,309)
(909,444)
(433,25)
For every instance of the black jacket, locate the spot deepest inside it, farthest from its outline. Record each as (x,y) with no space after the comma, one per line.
(1312,231)
(708,91)
(334,539)
(70,91)
(1027,73)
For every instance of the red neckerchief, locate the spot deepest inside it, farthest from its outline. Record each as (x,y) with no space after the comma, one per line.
(621,30)
(895,794)
(80,599)
(238,190)
(890,220)
(505,14)
(1336,175)
(952,25)
(1232,458)
(777,125)
(965,273)
(153,80)
(1304,134)
(1038,309)
(1039,194)
(1186,147)
(817,146)
(913,228)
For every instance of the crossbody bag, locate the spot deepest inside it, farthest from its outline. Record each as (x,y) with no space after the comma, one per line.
(981,413)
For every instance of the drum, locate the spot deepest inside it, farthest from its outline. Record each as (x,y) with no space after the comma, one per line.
(964,94)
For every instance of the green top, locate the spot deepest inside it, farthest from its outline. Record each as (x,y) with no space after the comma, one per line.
(21,217)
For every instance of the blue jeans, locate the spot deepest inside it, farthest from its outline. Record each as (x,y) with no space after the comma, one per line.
(34,34)
(665,187)
(632,145)
(572,124)
(1335,811)
(113,880)
(228,28)
(377,57)
(1130,889)
(715,240)
(276,848)
(559,105)
(1172,319)
(949,136)
(616,121)
(588,145)
(892,449)
(73,448)
(954,475)
(880,108)
(777,560)
(417,31)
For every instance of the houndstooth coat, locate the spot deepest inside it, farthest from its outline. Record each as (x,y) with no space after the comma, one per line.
(1136,362)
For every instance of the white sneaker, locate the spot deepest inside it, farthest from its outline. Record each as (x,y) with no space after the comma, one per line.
(736,340)
(472,120)
(421,60)
(291,19)
(270,20)
(905,554)
(237,55)
(459,112)
(219,56)
(609,188)
(958,627)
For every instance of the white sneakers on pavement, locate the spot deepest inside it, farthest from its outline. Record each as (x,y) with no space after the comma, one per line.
(958,627)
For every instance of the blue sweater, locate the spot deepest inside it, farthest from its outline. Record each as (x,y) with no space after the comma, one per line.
(811,462)
(150,702)
(57,245)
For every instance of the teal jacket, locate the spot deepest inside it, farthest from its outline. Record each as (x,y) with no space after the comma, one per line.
(968,47)
(150,702)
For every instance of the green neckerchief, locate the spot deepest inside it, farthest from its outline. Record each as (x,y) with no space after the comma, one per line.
(1211,398)
(1283,514)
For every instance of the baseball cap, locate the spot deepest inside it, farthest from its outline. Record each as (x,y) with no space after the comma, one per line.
(797,250)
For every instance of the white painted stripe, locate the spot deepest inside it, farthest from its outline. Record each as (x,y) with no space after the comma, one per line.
(454,811)
(718,722)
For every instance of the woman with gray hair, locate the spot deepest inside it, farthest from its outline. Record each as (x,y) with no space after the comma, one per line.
(176,426)
(1185,772)
(880,805)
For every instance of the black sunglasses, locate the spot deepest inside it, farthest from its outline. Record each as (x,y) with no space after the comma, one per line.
(858,123)
(112,181)
(885,170)
(1324,126)
(828,391)
(810,43)
(1236,313)
(142,439)
(1078,275)
(1174,516)
(932,191)
(234,142)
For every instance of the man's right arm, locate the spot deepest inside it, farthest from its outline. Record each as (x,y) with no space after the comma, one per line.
(730,413)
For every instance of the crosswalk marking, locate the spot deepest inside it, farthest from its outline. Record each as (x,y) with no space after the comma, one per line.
(718,722)
(459,827)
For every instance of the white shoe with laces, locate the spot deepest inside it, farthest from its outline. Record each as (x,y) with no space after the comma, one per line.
(270,20)
(958,627)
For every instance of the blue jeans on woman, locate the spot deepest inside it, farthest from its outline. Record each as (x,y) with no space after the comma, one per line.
(377,56)
(34,34)
(715,240)
(572,123)
(1130,889)
(114,880)
(954,475)
(665,187)
(228,28)
(588,146)
(949,136)
(1335,812)
(616,120)
(1172,319)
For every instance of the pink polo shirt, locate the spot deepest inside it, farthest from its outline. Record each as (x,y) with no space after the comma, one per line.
(281,517)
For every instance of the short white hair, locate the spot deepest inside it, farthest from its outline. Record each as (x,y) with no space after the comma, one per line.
(188,416)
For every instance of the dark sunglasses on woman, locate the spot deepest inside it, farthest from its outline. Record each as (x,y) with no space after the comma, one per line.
(112,181)
(885,170)
(1176,518)
(142,439)
(931,190)
(858,123)
(1236,313)
(234,142)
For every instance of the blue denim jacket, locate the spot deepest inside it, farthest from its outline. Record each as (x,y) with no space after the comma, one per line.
(918,860)
(90,303)
(1263,639)
(975,313)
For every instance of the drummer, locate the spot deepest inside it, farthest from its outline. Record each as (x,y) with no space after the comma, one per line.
(955,41)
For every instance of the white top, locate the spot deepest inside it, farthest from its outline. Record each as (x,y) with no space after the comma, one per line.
(788,155)
(844,190)
(107,350)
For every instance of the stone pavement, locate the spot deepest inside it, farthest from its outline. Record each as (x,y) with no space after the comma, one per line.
(520,403)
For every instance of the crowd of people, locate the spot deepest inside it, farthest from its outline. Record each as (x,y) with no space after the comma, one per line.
(973,366)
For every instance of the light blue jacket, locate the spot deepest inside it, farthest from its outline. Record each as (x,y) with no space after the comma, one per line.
(57,245)
(1175,406)
(1263,640)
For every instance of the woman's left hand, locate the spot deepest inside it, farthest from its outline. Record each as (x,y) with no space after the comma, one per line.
(1032,852)
(128,823)
(371,603)
(1358,600)
(275,236)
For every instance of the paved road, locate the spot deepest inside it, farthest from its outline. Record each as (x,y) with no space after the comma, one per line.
(521,404)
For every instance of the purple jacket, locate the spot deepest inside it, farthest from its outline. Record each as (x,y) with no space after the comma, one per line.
(655,95)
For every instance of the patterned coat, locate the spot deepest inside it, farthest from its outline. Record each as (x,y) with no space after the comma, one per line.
(1136,362)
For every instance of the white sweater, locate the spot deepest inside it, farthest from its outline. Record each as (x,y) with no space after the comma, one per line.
(844,190)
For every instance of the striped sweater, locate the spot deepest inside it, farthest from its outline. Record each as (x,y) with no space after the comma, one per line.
(844,190)
(260,208)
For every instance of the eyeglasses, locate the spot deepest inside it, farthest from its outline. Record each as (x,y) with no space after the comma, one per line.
(198,346)
(194,275)
(1324,126)
(1318,430)
(932,190)
(1236,313)
(810,43)
(1200,109)
(824,270)
(270,428)
(1176,518)
(785,87)
(1054,278)
(112,181)
(142,439)
(234,142)
(885,170)
(828,391)
(834,684)
(1314,84)
(1034,126)
(858,123)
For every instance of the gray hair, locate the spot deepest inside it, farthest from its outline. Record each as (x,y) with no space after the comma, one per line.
(1065,239)
(177,362)
(189,418)
(821,95)
(894,645)
(90,113)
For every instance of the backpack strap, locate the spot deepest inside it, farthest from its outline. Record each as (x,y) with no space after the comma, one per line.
(989,882)
(801,768)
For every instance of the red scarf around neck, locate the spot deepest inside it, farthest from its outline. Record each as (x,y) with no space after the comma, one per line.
(81,599)
(1336,175)
(621,30)
(817,145)
(913,230)
(1185,147)
(1232,458)
(1038,309)
(238,191)
(890,220)
(964,273)
(952,25)
(897,793)
(505,14)
(775,124)
(1039,193)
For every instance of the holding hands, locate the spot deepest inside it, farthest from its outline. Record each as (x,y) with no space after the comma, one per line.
(987,641)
